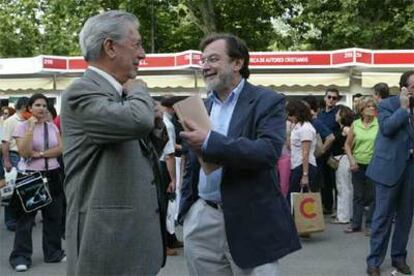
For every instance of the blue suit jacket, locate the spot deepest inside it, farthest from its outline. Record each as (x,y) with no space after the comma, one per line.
(392,144)
(259,226)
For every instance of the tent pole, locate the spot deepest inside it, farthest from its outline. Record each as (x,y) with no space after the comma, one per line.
(54,82)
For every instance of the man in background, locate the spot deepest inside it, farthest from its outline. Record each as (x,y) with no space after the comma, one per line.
(10,152)
(381,91)
(168,168)
(327,116)
(392,172)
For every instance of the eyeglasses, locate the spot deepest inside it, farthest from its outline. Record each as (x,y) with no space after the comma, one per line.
(209,60)
(332,97)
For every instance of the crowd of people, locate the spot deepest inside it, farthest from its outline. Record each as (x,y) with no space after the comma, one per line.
(121,173)
(361,161)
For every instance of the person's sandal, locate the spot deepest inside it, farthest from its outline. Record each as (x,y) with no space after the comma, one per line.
(337,221)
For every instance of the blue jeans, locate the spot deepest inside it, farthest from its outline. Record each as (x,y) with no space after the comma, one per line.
(9,221)
(389,201)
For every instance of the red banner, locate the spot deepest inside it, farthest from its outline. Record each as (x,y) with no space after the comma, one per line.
(343,57)
(54,63)
(77,64)
(191,59)
(363,57)
(272,59)
(394,58)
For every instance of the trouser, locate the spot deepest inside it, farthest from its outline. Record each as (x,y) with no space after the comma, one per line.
(390,201)
(170,239)
(51,234)
(344,188)
(328,187)
(206,248)
(9,220)
(364,195)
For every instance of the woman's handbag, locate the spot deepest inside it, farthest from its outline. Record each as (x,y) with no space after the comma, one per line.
(32,188)
(32,191)
(333,162)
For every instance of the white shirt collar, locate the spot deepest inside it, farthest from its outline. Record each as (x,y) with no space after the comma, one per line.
(108,77)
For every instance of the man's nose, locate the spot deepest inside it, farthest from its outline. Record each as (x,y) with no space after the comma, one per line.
(205,66)
(141,53)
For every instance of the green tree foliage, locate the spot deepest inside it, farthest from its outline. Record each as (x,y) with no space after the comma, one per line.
(51,27)
(251,20)
(385,24)
(19,32)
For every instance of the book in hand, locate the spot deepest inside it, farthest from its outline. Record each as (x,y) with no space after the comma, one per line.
(192,108)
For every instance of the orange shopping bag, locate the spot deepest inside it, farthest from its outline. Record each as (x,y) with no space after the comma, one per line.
(307,212)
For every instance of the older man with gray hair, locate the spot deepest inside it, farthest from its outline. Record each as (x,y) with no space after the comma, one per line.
(113,221)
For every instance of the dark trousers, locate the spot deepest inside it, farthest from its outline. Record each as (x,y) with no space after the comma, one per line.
(51,236)
(364,195)
(295,177)
(390,201)
(328,188)
(170,239)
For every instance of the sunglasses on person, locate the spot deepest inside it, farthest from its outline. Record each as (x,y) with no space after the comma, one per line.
(335,98)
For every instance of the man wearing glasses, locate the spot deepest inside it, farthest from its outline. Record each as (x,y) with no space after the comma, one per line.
(327,116)
(236,220)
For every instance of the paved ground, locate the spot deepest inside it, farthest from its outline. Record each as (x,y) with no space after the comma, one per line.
(329,253)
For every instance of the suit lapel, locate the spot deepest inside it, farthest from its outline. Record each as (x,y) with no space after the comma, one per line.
(208,103)
(241,110)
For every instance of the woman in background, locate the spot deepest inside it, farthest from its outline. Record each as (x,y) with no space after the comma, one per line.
(359,147)
(39,157)
(344,117)
(302,146)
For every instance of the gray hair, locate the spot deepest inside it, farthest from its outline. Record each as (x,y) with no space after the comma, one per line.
(110,24)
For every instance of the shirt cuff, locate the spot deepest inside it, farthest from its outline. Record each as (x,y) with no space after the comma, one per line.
(204,146)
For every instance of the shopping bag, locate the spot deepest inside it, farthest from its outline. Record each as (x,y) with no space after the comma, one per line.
(171,216)
(6,192)
(307,212)
(32,191)
(283,167)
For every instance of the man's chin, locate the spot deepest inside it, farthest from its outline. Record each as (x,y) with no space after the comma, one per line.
(133,74)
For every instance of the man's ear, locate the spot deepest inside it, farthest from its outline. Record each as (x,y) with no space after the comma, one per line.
(108,47)
(238,64)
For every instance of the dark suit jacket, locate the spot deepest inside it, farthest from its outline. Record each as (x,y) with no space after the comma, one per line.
(258,223)
(392,145)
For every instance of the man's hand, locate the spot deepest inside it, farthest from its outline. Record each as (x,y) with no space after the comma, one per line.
(195,136)
(404,98)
